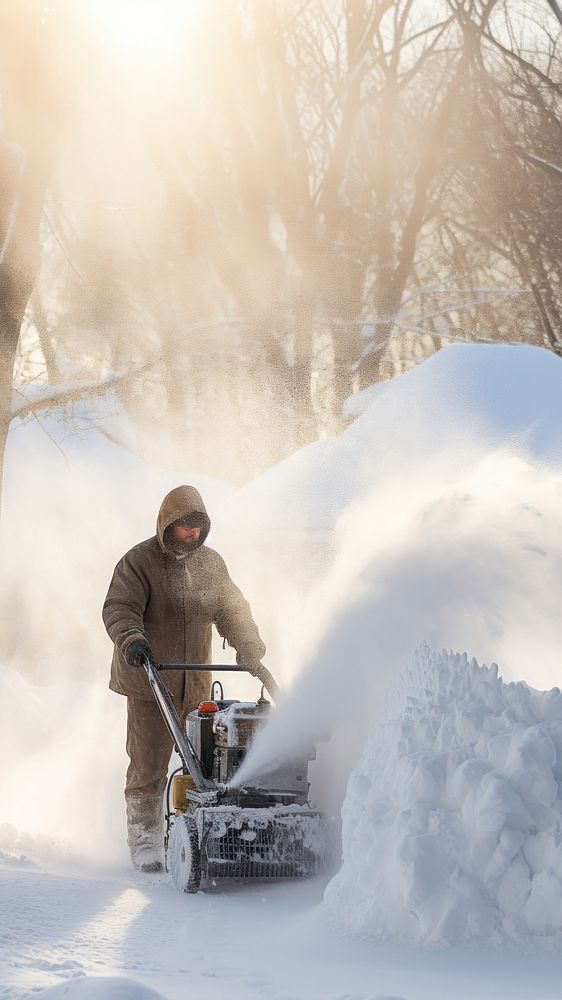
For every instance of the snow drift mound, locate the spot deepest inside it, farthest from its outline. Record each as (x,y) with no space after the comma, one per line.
(101,988)
(452,823)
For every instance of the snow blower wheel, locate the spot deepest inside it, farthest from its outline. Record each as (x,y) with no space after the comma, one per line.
(217,831)
(183,855)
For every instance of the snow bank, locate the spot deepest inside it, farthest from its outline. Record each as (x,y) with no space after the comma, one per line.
(100,988)
(452,823)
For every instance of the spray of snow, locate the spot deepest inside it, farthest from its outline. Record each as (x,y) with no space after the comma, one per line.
(435,517)
(452,823)
(473,558)
(73,503)
(63,749)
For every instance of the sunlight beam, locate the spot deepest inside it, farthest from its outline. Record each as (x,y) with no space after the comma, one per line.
(144,29)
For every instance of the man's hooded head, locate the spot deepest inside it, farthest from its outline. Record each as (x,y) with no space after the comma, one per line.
(183,506)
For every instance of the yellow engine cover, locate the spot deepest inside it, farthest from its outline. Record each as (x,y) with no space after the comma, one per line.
(182,784)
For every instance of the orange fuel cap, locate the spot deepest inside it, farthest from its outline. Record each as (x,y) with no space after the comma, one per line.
(207,708)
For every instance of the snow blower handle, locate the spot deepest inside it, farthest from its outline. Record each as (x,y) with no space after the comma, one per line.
(259,671)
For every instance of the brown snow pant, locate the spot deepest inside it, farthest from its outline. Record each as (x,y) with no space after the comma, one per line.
(149,745)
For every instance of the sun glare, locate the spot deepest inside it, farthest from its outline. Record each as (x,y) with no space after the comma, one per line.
(143,28)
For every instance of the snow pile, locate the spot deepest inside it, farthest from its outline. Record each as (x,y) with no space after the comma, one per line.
(23,849)
(101,988)
(452,823)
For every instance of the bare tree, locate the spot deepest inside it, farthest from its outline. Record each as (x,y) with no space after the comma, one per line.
(37,79)
(333,188)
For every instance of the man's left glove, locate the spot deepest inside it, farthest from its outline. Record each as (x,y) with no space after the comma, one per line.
(137,652)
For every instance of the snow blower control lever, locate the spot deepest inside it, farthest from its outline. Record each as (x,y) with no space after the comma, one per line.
(262,673)
(216,827)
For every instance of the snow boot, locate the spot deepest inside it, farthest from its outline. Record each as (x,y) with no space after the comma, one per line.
(145,832)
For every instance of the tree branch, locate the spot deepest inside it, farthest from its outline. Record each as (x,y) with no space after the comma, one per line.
(56,396)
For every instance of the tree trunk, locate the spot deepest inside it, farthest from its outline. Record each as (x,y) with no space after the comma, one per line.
(19,263)
(10,323)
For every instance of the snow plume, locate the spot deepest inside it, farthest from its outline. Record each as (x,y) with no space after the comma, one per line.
(435,517)
(470,559)
(452,820)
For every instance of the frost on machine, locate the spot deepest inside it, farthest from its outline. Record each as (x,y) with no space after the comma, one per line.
(217,831)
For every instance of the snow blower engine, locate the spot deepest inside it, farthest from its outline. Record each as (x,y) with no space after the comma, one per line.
(215,830)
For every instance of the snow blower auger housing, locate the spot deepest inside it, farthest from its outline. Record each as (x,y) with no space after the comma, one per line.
(216,832)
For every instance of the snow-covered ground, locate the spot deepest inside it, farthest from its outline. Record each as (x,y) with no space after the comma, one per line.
(62,929)
(435,517)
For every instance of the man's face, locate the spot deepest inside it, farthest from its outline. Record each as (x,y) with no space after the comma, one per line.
(185,536)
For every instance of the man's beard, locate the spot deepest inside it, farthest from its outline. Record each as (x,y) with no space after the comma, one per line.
(180,549)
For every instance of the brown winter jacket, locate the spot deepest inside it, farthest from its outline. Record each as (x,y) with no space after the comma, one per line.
(173,604)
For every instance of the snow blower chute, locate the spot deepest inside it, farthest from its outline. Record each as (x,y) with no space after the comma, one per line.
(214,831)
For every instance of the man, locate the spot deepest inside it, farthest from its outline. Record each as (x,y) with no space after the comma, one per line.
(165,596)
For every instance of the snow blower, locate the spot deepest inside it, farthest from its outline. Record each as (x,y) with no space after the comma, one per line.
(215,831)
